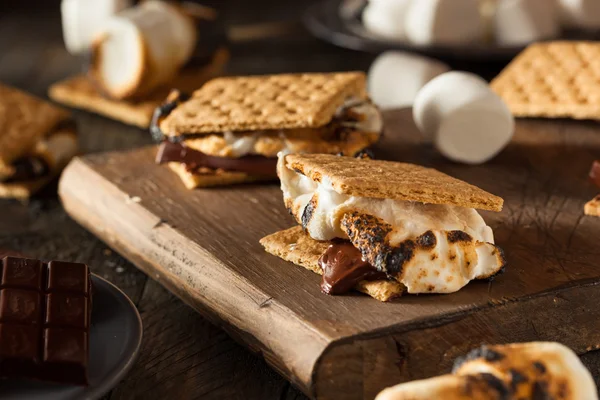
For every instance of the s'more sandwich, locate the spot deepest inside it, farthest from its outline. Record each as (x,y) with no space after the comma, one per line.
(384,227)
(231,129)
(535,370)
(37,139)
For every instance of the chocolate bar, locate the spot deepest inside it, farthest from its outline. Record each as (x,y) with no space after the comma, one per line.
(45,311)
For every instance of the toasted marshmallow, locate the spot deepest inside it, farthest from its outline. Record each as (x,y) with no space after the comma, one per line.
(447,246)
(520,22)
(550,365)
(396,77)
(83,19)
(447,387)
(463,117)
(444,22)
(583,14)
(142,48)
(386,18)
(525,371)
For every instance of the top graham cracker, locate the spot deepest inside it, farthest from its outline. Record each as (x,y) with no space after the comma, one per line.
(283,101)
(24,120)
(392,180)
(553,80)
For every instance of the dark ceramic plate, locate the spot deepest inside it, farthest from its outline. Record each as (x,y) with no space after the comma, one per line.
(339,22)
(115,339)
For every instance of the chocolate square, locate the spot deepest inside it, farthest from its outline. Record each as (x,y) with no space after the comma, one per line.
(18,305)
(66,355)
(22,272)
(65,276)
(67,310)
(19,342)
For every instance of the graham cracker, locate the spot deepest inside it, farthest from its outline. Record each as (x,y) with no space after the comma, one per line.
(211,177)
(270,143)
(79,92)
(24,120)
(391,180)
(295,246)
(553,80)
(247,103)
(592,207)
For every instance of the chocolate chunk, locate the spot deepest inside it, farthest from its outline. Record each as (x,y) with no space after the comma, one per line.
(45,314)
(253,165)
(343,267)
(595,173)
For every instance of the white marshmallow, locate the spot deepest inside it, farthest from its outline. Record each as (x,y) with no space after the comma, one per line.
(82,19)
(396,77)
(444,22)
(580,13)
(386,18)
(142,48)
(464,118)
(519,22)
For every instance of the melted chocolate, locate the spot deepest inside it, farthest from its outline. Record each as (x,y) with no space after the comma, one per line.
(194,159)
(595,173)
(343,267)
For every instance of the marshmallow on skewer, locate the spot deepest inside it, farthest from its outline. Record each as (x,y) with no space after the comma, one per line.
(444,22)
(464,118)
(141,48)
(386,17)
(396,77)
(82,19)
(520,22)
(583,14)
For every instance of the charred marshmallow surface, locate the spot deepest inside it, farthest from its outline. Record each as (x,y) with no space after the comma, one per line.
(460,246)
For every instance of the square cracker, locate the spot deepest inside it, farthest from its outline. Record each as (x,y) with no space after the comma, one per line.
(592,207)
(553,80)
(391,180)
(247,103)
(295,246)
(79,92)
(24,120)
(193,180)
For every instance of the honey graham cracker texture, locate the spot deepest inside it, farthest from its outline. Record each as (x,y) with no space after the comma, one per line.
(392,180)
(79,92)
(294,245)
(24,121)
(553,80)
(247,103)
(210,177)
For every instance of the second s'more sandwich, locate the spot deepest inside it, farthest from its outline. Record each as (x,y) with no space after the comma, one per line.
(230,130)
(384,227)
(37,139)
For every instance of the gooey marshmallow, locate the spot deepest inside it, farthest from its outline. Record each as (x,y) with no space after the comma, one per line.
(463,117)
(444,22)
(142,48)
(386,18)
(519,22)
(83,19)
(396,77)
(583,14)
(455,265)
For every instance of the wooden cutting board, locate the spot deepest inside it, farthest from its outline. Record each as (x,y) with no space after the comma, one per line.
(203,246)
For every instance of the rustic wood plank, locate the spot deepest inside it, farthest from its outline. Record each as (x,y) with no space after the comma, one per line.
(209,255)
(184,356)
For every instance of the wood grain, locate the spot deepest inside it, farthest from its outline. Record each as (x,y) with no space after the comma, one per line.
(203,246)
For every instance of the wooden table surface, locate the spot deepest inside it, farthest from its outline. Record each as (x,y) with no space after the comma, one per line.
(183,356)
